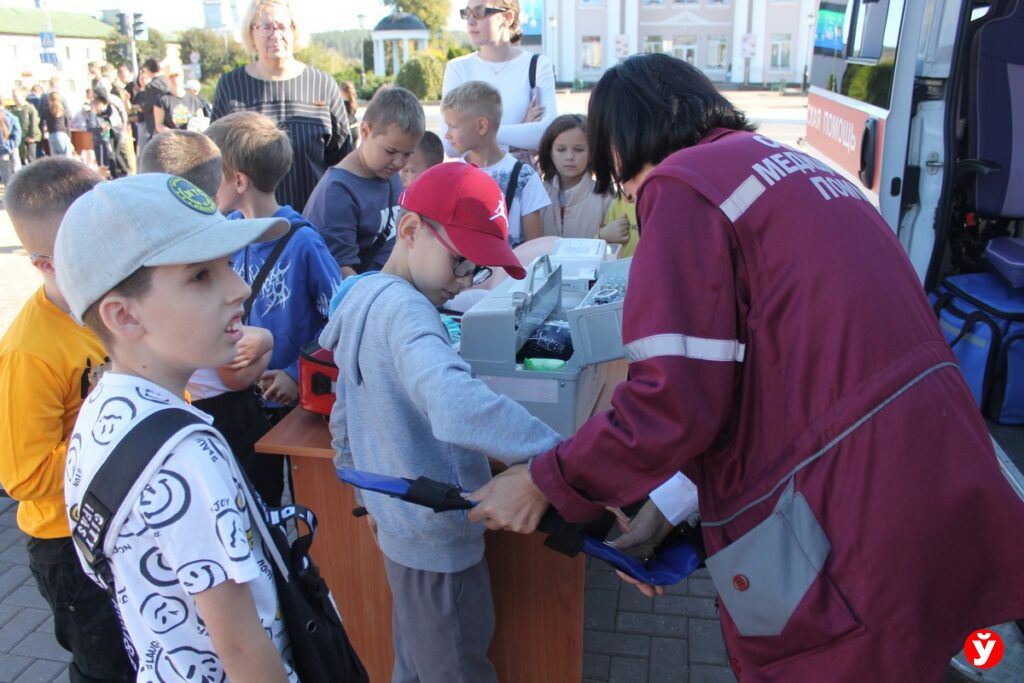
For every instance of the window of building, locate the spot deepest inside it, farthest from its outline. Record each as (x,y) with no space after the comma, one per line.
(67,53)
(685,2)
(14,51)
(654,2)
(780,50)
(591,52)
(591,3)
(717,52)
(653,44)
(685,48)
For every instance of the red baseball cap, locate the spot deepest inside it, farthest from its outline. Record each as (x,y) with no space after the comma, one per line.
(471,207)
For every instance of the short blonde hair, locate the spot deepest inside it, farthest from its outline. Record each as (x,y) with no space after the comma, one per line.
(300,38)
(475,98)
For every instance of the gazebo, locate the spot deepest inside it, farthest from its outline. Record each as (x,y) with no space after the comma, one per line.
(397,28)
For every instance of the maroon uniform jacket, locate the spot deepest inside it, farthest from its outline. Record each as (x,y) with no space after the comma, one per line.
(784,356)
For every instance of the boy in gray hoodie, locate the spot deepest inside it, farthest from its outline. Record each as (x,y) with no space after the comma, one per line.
(408,406)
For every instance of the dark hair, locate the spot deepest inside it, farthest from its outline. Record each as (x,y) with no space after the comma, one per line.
(135,285)
(648,107)
(185,153)
(348,95)
(431,148)
(151,65)
(547,141)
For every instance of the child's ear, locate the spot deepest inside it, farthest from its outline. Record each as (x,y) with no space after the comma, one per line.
(242,183)
(407,228)
(44,265)
(482,125)
(365,129)
(118,316)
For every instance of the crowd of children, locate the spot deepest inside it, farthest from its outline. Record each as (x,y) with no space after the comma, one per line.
(197,290)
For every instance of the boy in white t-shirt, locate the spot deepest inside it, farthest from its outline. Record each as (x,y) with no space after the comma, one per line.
(144,261)
(472,115)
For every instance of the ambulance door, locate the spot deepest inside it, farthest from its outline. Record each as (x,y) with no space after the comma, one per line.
(862,78)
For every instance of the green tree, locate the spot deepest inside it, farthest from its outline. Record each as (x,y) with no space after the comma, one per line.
(434,13)
(216,55)
(118,51)
(423,77)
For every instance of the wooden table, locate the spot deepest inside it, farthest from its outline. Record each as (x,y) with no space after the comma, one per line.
(538,593)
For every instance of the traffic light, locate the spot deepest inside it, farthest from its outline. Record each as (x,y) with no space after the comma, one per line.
(122,24)
(139,27)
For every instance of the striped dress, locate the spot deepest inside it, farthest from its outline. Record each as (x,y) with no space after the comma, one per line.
(310,109)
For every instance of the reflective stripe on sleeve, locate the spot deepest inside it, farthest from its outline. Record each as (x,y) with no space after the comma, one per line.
(698,348)
(740,200)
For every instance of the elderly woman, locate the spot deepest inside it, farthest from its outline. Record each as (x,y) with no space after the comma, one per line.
(302,100)
(525,80)
(783,355)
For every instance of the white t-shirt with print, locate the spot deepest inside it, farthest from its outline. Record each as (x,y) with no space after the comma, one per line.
(530,194)
(188,531)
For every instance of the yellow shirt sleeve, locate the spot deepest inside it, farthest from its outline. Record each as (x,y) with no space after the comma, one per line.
(33,445)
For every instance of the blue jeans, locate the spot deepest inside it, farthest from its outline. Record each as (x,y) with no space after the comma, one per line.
(60,144)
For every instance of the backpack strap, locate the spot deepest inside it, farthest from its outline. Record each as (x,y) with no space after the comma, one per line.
(533,70)
(510,189)
(268,265)
(111,484)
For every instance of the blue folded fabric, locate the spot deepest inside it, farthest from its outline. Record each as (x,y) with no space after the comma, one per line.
(669,566)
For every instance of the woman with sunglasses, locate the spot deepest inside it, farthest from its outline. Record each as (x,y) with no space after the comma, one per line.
(304,101)
(494,28)
(783,355)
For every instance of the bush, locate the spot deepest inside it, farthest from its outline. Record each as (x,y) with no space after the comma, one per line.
(372,85)
(423,77)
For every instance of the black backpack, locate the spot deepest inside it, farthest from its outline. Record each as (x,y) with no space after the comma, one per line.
(321,650)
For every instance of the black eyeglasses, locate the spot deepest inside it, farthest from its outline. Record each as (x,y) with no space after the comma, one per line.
(463,266)
(480,12)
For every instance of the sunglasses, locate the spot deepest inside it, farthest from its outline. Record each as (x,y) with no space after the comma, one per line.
(463,266)
(480,12)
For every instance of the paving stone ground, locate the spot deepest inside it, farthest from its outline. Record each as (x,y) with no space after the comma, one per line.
(29,653)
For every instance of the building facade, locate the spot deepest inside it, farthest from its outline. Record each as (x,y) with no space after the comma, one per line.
(732,41)
(79,39)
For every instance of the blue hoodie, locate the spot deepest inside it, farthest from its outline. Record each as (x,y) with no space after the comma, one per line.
(294,299)
(408,406)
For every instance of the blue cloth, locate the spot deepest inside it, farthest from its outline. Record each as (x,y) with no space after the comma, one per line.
(409,406)
(10,145)
(294,299)
(350,211)
(346,285)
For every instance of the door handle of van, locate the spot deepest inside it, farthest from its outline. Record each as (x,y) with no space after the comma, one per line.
(868,142)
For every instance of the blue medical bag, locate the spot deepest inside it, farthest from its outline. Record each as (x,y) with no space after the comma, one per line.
(982,318)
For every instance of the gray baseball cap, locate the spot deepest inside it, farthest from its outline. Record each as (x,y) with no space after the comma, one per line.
(150,219)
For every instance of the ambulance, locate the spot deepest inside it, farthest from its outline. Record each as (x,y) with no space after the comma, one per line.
(920,104)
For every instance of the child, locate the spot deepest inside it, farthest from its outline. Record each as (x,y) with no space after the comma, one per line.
(575,210)
(292,302)
(195,592)
(46,364)
(472,113)
(184,153)
(408,405)
(620,226)
(353,205)
(109,131)
(430,152)
(225,393)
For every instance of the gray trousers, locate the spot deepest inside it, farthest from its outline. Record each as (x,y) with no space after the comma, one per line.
(443,625)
